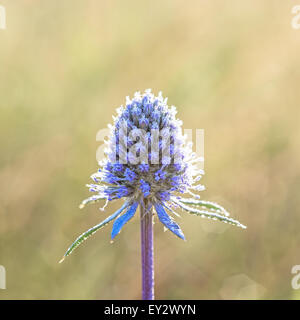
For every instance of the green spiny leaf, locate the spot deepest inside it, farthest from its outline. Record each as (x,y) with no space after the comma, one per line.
(206,204)
(209,215)
(91,231)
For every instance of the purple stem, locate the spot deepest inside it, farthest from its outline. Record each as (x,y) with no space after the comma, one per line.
(147,253)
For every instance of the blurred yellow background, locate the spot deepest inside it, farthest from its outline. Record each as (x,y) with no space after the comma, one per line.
(231,68)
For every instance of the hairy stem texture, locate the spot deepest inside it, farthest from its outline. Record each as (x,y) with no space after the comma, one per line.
(147,253)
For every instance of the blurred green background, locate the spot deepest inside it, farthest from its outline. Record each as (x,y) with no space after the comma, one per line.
(231,68)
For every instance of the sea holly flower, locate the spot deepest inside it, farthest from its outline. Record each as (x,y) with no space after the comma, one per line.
(150,165)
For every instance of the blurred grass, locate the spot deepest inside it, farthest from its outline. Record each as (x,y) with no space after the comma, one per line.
(233,70)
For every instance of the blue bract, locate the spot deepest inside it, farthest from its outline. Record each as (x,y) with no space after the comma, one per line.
(148,162)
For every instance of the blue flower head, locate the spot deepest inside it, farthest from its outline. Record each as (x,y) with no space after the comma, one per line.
(149,161)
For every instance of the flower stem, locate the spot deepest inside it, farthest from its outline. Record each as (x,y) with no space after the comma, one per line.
(147,252)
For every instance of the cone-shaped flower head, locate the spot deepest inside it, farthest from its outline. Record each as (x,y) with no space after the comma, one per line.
(147,156)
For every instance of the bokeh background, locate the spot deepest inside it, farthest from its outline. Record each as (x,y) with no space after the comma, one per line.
(232,69)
